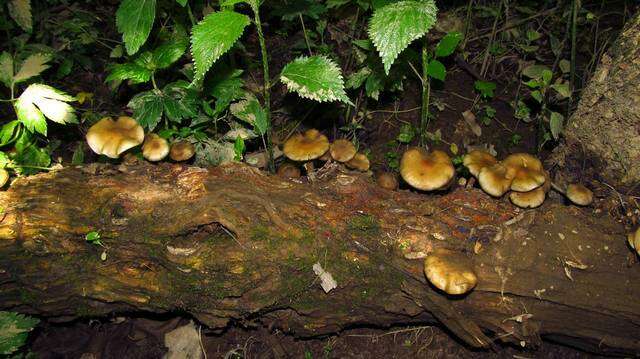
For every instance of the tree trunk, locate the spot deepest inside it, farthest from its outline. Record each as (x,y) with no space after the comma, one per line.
(234,245)
(603,135)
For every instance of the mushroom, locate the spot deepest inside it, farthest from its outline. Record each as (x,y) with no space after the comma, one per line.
(305,147)
(111,138)
(288,170)
(359,162)
(155,148)
(182,151)
(634,240)
(531,199)
(579,194)
(528,173)
(426,171)
(496,179)
(477,160)
(450,271)
(342,150)
(4,177)
(387,180)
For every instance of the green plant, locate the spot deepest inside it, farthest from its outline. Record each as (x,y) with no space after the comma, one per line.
(14,330)
(94,237)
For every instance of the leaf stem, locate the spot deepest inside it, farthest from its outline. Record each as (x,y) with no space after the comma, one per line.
(267,88)
(426,93)
(304,31)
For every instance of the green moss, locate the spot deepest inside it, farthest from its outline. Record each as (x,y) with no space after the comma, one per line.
(260,233)
(364,225)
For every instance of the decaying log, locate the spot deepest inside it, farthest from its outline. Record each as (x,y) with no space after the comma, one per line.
(234,245)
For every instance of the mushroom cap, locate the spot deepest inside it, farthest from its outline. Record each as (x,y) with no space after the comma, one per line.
(531,199)
(182,151)
(288,170)
(359,162)
(450,271)
(155,148)
(342,150)
(477,160)
(496,179)
(307,146)
(426,171)
(387,180)
(111,138)
(4,177)
(528,172)
(579,194)
(634,240)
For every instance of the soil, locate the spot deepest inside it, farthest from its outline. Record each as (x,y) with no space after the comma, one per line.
(144,338)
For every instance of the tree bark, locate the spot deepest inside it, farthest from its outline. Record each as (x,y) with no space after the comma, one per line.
(603,134)
(234,245)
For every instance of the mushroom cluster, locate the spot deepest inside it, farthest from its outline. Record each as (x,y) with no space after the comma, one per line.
(112,138)
(634,240)
(523,176)
(426,171)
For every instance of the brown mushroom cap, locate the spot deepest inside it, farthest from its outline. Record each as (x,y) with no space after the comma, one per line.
(182,151)
(496,179)
(288,170)
(359,162)
(528,172)
(387,180)
(477,160)
(450,271)
(634,240)
(308,146)
(426,171)
(342,150)
(579,194)
(155,148)
(111,138)
(531,199)
(4,177)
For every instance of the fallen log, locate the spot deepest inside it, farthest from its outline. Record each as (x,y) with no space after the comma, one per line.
(234,245)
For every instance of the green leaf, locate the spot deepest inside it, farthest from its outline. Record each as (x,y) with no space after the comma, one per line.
(537,95)
(565,66)
(78,154)
(356,79)
(182,3)
(245,110)
(8,132)
(31,67)
(485,88)
(147,108)
(448,44)
(214,36)
(317,78)
(407,133)
(393,27)
(534,71)
(238,148)
(436,70)
(39,101)
(179,101)
(134,20)
(562,89)
(6,69)
(547,75)
(171,50)
(14,329)
(29,155)
(20,11)
(129,71)
(4,160)
(261,123)
(226,86)
(556,124)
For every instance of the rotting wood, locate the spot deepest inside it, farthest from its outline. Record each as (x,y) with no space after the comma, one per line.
(232,244)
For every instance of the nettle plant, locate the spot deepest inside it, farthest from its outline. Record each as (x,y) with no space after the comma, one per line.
(314,77)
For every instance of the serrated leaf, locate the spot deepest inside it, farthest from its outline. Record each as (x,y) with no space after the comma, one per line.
(393,27)
(448,44)
(356,79)
(20,11)
(436,70)
(317,78)
(214,36)
(134,20)
(39,101)
(14,329)
(243,110)
(32,66)
(6,69)
(129,71)
(556,124)
(179,101)
(147,108)
(171,50)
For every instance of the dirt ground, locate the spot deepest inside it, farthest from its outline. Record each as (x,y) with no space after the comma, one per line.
(143,338)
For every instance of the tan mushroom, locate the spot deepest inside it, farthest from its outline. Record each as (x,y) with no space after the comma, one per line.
(342,150)
(426,171)
(4,177)
(387,180)
(305,147)
(477,160)
(450,271)
(359,162)
(288,170)
(528,173)
(579,194)
(111,138)
(182,151)
(634,240)
(155,148)
(531,199)
(496,180)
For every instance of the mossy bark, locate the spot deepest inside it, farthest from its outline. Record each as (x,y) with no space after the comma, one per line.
(234,245)
(603,134)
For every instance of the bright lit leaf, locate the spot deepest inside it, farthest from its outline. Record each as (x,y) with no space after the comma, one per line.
(20,11)
(39,101)
(32,66)
(317,78)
